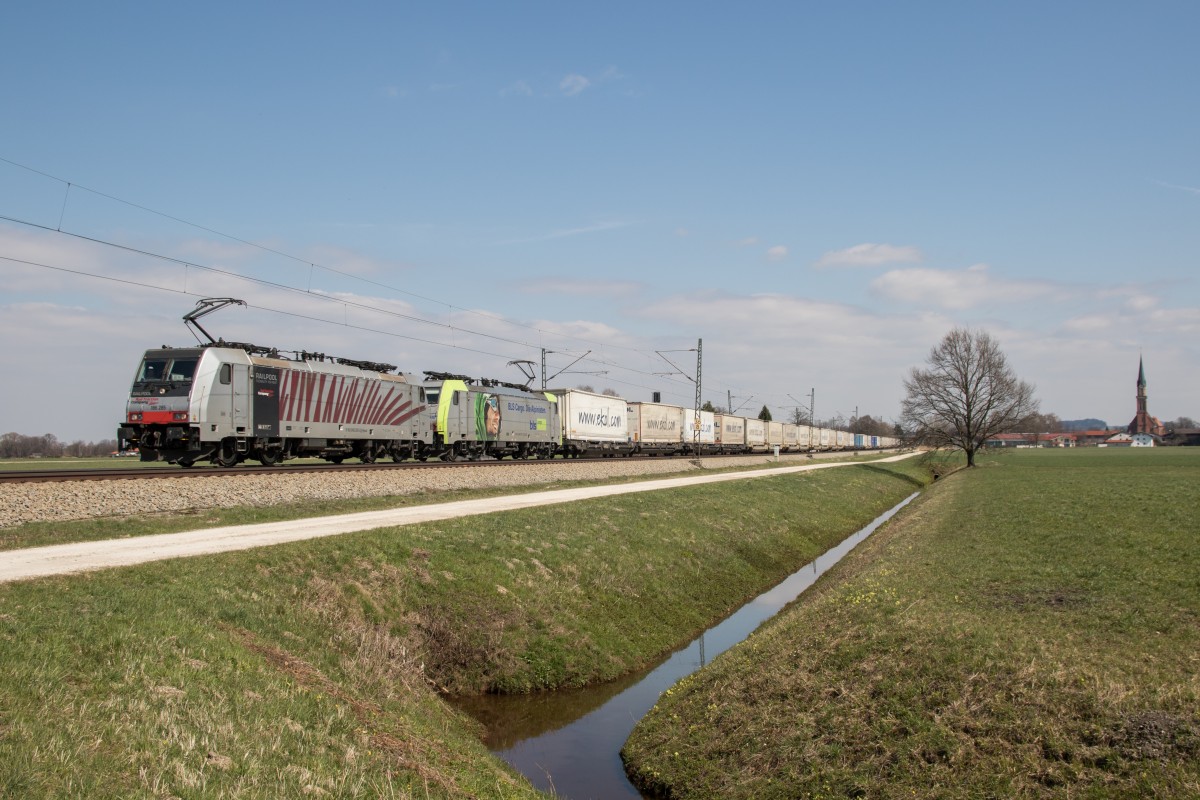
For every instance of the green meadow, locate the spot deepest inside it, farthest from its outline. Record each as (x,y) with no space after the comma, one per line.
(1027,628)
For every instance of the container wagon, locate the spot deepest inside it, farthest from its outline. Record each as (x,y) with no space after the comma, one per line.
(655,428)
(593,424)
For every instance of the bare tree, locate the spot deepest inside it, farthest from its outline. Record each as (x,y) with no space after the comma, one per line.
(968,394)
(866,424)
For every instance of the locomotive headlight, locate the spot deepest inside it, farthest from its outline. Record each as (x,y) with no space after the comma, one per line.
(180,416)
(134,416)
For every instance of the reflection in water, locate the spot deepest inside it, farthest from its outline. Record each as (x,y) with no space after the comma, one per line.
(569,741)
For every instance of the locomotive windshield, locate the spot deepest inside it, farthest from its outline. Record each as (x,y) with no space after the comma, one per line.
(174,370)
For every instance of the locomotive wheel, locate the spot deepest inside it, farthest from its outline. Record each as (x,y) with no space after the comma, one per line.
(269,458)
(226,455)
(336,459)
(367,456)
(186,463)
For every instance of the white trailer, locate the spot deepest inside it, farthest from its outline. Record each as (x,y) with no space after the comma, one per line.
(704,423)
(756,436)
(774,435)
(824,438)
(804,437)
(791,437)
(593,424)
(730,433)
(655,428)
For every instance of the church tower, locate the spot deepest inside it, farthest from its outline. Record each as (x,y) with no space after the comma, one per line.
(1143,422)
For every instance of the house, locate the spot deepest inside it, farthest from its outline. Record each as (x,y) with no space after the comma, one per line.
(1009,440)
(1182,437)
(1093,438)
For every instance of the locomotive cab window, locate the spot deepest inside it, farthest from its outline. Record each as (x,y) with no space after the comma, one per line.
(182,369)
(153,369)
(226,376)
(179,370)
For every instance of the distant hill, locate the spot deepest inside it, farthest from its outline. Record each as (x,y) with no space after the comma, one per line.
(1084,424)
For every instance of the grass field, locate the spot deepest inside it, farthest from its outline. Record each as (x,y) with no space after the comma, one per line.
(314,668)
(1028,628)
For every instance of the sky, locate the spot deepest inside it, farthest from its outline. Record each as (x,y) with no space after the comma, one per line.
(815,193)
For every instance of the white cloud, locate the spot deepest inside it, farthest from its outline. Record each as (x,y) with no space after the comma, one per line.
(576,83)
(777,253)
(521,88)
(957,289)
(562,234)
(580,288)
(869,255)
(1088,324)
(749,241)
(1141,302)
(1190,189)
(573,84)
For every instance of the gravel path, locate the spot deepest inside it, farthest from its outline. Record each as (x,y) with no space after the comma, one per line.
(52,502)
(35,562)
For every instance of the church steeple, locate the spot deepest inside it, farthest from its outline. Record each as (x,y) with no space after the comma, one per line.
(1143,422)
(1141,388)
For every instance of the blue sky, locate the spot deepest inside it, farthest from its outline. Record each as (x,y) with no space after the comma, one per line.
(820,191)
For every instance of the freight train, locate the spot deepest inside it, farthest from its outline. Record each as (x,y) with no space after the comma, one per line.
(226,403)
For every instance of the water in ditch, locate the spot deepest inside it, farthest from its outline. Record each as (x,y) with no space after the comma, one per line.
(568,742)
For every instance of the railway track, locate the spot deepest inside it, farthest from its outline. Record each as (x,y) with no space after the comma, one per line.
(152,473)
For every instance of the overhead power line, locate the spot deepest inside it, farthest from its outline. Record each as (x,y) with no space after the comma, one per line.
(69,185)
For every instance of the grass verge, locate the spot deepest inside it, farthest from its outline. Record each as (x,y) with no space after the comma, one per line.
(1027,629)
(314,668)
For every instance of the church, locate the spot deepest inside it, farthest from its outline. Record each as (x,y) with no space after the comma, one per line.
(1145,430)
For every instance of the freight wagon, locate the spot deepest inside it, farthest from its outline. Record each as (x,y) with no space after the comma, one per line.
(593,424)
(791,437)
(729,433)
(756,436)
(700,429)
(655,428)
